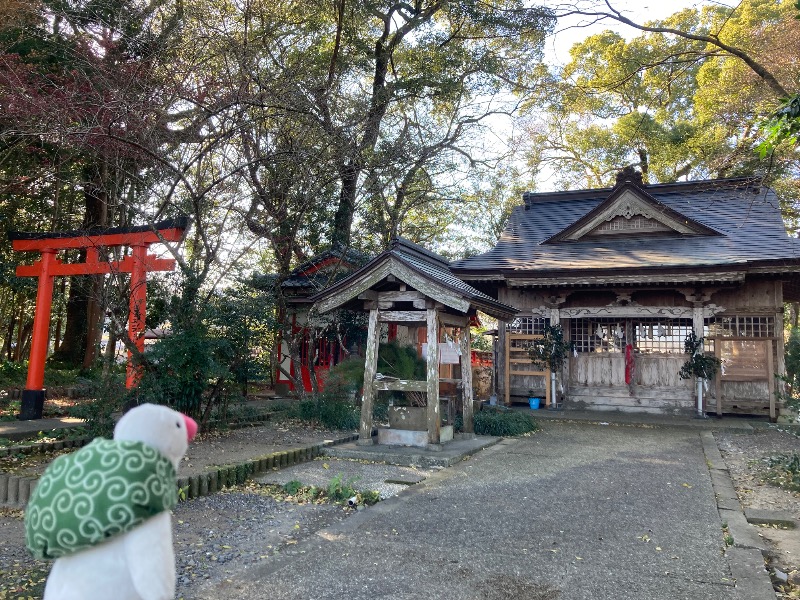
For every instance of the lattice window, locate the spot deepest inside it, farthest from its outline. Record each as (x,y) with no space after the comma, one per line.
(661,335)
(527,325)
(648,335)
(637,223)
(598,335)
(739,326)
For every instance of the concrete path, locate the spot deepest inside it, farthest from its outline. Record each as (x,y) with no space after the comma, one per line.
(575,512)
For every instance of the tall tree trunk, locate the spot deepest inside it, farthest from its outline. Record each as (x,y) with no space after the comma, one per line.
(62,290)
(94,314)
(111,351)
(345,211)
(80,332)
(73,344)
(8,343)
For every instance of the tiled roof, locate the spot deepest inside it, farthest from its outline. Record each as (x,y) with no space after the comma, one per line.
(429,265)
(442,274)
(747,217)
(306,278)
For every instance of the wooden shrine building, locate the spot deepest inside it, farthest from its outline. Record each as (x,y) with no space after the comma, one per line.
(629,272)
(413,288)
(304,281)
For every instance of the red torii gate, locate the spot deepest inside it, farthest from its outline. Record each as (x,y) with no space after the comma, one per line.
(139,239)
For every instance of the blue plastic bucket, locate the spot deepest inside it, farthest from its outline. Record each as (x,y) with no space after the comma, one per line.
(534,403)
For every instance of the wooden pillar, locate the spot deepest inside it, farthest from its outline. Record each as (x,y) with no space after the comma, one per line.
(32,403)
(466,381)
(138,308)
(773,414)
(41,323)
(501,365)
(552,396)
(698,324)
(370,367)
(433,376)
(718,378)
(780,348)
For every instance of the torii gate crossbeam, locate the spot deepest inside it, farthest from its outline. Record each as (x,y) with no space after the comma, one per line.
(138,263)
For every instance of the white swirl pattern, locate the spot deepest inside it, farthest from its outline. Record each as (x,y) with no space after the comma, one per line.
(102,490)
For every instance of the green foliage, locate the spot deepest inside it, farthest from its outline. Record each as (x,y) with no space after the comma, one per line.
(337,490)
(335,407)
(792,358)
(380,409)
(402,362)
(292,487)
(676,108)
(345,380)
(550,352)
(503,423)
(784,471)
(12,373)
(699,364)
(333,414)
(180,368)
(216,347)
(107,398)
(244,318)
(340,490)
(479,341)
(783,126)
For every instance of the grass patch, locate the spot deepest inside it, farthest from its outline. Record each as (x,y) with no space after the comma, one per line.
(333,414)
(338,491)
(503,423)
(783,471)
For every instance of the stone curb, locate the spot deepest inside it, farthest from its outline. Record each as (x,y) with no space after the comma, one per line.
(746,557)
(215,480)
(42,447)
(770,517)
(15,491)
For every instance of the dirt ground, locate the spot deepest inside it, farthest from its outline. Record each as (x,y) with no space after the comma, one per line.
(212,535)
(238,528)
(747,458)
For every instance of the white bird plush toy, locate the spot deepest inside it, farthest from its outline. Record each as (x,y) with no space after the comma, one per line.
(103,512)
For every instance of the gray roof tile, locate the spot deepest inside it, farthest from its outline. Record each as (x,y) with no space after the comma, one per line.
(430,265)
(748,218)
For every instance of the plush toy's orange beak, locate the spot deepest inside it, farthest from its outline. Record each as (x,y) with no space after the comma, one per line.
(191,427)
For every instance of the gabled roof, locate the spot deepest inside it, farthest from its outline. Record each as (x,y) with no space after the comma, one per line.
(733,226)
(316,273)
(628,200)
(420,269)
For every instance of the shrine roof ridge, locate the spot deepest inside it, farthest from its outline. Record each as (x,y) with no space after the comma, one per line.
(177,223)
(530,198)
(738,226)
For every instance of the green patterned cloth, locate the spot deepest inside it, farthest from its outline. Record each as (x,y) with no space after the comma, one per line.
(106,488)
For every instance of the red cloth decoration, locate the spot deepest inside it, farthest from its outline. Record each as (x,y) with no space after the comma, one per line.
(630,364)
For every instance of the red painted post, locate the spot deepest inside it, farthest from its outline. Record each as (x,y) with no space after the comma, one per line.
(33,395)
(136,319)
(138,238)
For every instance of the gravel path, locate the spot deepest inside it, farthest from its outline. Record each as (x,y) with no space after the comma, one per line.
(239,529)
(232,530)
(218,535)
(363,476)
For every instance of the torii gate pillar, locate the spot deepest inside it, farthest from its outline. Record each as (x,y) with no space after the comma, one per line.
(48,267)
